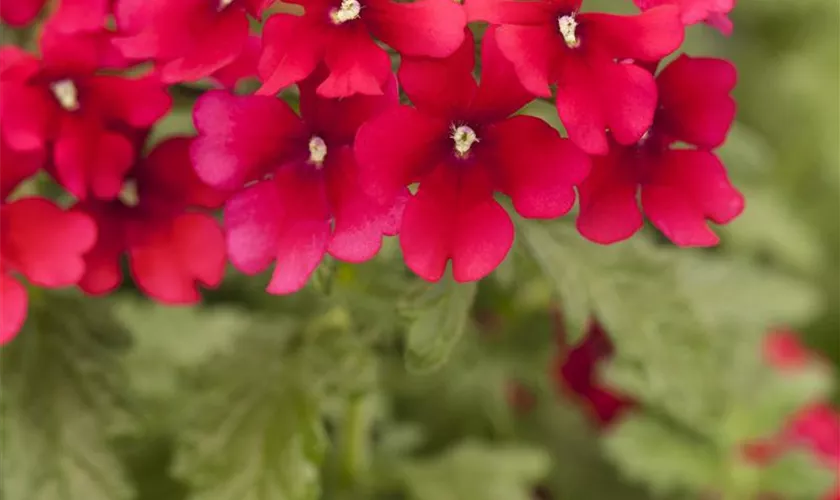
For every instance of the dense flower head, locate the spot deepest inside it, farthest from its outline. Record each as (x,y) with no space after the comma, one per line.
(591,57)
(681,188)
(61,104)
(171,243)
(298,194)
(462,145)
(44,244)
(342,34)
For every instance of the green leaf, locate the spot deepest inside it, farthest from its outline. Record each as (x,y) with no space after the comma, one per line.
(477,471)
(664,457)
(439,324)
(559,262)
(797,475)
(254,432)
(64,392)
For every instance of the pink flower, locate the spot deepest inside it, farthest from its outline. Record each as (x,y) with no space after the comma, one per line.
(42,243)
(341,34)
(189,39)
(20,12)
(241,68)
(712,12)
(590,57)
(17,166)
(171,244)
(461,144)
(298,193)
(680,188)
(60,103)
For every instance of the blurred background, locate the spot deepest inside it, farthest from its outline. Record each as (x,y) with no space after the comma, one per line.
(372,385)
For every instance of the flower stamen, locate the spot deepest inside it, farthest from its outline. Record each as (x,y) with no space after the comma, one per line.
(317,151)
(66,94)
(568,29)
(464,137)
(223,4)
(347,11)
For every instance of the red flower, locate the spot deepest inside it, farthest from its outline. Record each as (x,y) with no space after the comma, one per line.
(576,372)
(170,246)
(461,145)
(307,199)
(712,12)
(340,33)
(189,39)
(242,68)
(20,12)
(680,188)
(61,102)
(44,244)
(17,166)
(591,59)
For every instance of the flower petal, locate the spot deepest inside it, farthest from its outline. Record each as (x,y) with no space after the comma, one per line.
(292,48)
(443,86)
(242,137)
(214,46)
(609,211)
(517,12)
(28,116)
(90,160)
(395,147)
(458,219)
(357,65)
(533,51)
(17,166)
(175,255)
(337,120)
(580,105)
(694,94)
(360,221)
(253,220)
(539,168)
(241,68)
(45,243)
(648,36)
(500,93)
(19,13)
(305,231)
(138,102)
(103,273)
(432,28)
(13,308)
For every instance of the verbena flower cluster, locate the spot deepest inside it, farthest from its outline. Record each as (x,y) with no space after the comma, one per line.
(355,163)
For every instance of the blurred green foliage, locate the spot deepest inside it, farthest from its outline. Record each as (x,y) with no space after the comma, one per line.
(371,385)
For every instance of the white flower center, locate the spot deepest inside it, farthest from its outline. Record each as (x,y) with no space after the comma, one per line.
(223,4)
(317,151)
(66,94)
(568,29)
(463,137)
(347,11)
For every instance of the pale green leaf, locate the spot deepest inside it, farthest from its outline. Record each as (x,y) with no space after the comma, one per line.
(63,392)
(253,428)
(666,458)
(439,324)
(797,475)
(477,471)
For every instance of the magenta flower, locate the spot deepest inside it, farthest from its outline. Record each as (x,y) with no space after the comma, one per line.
(298,193)
(342,33)
(42,243)
(462,145)
(680,188)
(171,243)
(591,57)
(60,103)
